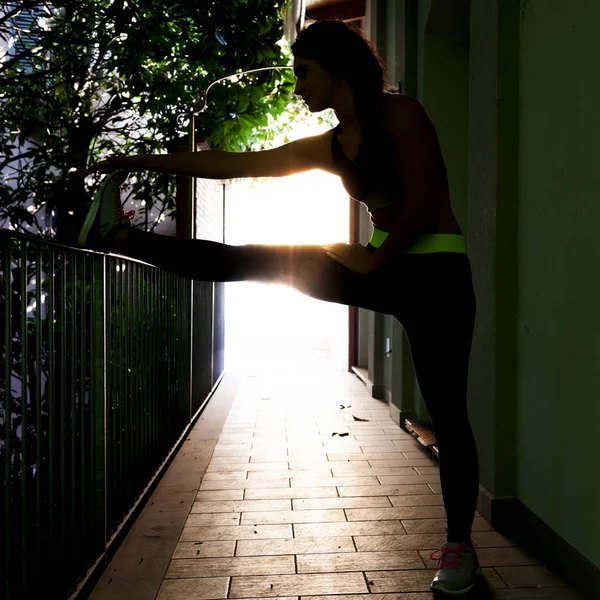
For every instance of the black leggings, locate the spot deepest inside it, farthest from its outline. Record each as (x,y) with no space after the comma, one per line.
(430,294)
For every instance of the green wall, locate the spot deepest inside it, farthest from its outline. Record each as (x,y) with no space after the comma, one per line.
(558,416)
(442,85)
(446,99)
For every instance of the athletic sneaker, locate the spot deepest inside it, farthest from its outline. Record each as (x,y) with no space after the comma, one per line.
(458,568)
(106,211)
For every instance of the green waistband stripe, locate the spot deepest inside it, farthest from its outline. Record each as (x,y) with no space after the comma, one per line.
(428,243)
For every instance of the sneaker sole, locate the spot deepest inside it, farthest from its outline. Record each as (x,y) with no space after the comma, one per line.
(466,590)
(115,178)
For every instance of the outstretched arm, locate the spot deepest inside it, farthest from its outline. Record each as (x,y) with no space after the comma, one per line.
(301,155)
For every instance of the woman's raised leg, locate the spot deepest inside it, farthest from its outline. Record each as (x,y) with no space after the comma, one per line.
(305,267)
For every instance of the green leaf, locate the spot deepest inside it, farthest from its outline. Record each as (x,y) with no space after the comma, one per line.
(243,104)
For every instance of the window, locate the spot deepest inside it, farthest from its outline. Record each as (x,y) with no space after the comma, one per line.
(23,28)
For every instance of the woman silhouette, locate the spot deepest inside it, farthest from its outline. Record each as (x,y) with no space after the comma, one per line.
(386,152)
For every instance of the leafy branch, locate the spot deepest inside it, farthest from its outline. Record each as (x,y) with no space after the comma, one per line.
(88,78)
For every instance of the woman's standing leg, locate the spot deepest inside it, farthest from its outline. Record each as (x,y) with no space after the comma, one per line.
(439,325)
(440,333)
(440,358)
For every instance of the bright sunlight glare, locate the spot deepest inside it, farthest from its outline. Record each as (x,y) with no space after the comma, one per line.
(273,327)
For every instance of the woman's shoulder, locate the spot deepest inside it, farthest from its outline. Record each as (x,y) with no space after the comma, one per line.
(402,112)
(396,104)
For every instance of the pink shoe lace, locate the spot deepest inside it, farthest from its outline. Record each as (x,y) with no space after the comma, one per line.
(450,556)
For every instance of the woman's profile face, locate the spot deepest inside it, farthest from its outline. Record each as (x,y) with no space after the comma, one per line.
(313,83)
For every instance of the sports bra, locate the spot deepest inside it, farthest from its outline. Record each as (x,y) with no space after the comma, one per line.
(374,179)
(375,187)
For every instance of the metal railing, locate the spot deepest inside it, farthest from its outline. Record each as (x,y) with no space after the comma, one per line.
(98,381)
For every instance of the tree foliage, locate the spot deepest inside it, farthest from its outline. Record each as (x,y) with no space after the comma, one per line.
(86,78)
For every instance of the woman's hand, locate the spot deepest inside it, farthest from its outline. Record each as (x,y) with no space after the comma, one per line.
(355,257)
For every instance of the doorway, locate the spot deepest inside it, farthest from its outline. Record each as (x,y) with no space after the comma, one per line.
(272,326)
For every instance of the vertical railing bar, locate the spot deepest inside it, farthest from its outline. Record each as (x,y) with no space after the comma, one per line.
(142,378)
(213,288)
(115,392)
(106,374)
(125,483)
(151,274)
(163,402)
(24,413)
(192,355)
(122,392)
(91,479)
(168,343)
(138,456)
(131,426)
(184,369)
(157,327)
(83,410)
(112,390)
(39,470)
(175,337)
(190,316)
(94,399)
(139,366)
(182,364)
(150,356)
(100,433)
(161,365)
(170,335)
(143,316)
(132,475)
(51,407)
(163,416)
(122,383)
(129,407)
(159,362)
(73,402)
(110,309)
(172,329)
(63,401)
(176,332)
(166,398)
(8,368)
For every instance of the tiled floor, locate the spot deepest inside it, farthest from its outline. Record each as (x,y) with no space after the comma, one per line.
(288,508)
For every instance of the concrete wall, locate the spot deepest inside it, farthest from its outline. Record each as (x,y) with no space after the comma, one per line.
(559,253)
